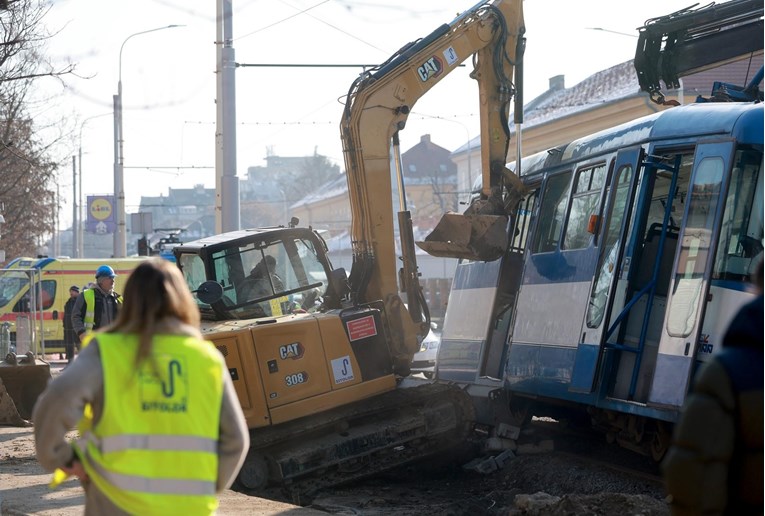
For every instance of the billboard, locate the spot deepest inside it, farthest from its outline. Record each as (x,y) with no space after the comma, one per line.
(101,216)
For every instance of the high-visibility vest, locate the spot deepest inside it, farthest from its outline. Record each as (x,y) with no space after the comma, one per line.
(90,308)
(154,449)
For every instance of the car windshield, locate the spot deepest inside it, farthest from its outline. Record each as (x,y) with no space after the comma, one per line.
(261,278)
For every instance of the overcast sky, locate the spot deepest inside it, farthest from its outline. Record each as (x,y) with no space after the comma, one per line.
(169,82)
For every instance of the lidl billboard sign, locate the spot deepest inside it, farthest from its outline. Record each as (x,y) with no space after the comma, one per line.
(101,214)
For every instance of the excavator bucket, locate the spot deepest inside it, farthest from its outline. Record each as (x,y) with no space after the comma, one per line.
(471,236)
(22,380)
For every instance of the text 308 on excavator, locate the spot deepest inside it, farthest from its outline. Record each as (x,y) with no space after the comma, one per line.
(317,357)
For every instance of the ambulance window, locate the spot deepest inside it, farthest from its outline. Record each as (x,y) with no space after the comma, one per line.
(47,297)
(48,294)
(11,283)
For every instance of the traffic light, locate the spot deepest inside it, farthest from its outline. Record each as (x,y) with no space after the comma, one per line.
(143,247)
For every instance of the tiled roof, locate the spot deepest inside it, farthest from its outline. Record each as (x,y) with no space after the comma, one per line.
(617,83)
(605,86)
(334,188)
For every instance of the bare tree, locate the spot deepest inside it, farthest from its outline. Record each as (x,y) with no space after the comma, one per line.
(26,190)
(315,172)
(27,165)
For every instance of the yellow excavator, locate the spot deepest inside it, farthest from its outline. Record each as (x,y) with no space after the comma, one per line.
(318,357)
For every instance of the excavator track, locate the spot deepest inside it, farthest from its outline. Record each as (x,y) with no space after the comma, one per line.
(356,441)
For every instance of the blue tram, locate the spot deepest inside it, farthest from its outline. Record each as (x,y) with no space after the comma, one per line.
(630,253)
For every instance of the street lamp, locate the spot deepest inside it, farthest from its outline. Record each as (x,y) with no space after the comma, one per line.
(120,244)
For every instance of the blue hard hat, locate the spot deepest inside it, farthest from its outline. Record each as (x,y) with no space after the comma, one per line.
(104,271)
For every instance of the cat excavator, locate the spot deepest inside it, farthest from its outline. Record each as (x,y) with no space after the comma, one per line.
(319,359)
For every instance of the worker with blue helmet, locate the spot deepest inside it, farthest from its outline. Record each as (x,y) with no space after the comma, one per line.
(96,307)
(105,270)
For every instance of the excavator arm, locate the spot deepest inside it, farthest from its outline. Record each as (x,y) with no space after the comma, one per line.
(377,107)
(691,40)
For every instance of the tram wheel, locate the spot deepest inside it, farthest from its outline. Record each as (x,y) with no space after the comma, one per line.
(660,441)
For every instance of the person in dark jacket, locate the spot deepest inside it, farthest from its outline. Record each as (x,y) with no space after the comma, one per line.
(69,336)
(715,462)
(96,307)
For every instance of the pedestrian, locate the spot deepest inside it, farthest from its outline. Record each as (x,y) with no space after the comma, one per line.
(167,431)
(96,306)
(715,462)
(69,336)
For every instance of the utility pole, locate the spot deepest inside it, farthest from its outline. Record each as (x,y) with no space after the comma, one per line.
(75,224)
(227,217)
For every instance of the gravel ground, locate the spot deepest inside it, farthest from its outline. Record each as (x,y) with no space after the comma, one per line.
(554,474)
(551,473)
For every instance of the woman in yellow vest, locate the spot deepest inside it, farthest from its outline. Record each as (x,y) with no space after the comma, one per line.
(168,432)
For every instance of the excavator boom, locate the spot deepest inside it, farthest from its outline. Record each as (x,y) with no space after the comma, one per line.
(377,107)
(689,41)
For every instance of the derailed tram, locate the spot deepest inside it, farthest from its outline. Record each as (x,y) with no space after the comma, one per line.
(630,253)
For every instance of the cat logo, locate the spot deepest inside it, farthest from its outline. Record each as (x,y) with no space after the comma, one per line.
(292,351)
(430,68)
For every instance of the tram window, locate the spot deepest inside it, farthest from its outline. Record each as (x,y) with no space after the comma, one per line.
(741,231)
(552,212)
(689,277)
(610,250)
(584,203)
(523,221)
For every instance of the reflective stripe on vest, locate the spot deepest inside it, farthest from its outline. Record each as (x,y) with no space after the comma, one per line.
(141,484)
(158,442)
(154,450)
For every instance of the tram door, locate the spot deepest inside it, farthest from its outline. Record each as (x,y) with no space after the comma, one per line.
(612,237)
(689,287)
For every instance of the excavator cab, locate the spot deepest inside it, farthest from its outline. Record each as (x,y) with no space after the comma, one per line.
(256,273)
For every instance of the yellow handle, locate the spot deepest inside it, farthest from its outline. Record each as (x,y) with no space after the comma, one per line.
(58,477)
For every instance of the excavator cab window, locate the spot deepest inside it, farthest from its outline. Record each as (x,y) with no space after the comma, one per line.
(261,278)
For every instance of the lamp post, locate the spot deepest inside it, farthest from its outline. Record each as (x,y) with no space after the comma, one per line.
(120,244)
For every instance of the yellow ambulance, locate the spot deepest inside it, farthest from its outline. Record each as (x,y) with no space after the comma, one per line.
(48,281)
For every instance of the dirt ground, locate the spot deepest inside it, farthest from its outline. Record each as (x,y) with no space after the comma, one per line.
(548,480)
(537,484)
(24,486)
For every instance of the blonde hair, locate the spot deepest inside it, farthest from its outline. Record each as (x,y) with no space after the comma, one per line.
(154,293)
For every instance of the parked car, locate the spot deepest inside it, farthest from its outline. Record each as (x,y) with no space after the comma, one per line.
(425,359)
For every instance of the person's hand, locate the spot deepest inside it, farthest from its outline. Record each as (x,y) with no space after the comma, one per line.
(77,470)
